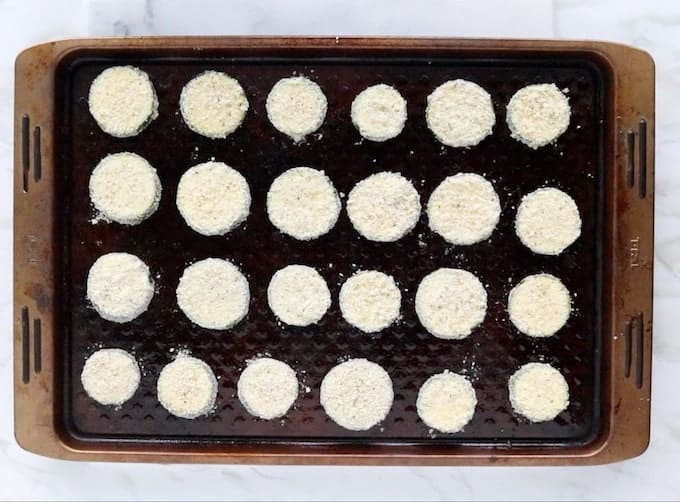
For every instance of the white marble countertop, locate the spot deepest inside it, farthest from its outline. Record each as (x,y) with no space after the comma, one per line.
(654,26)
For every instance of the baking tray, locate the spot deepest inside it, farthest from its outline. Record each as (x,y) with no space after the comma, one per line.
(604,160)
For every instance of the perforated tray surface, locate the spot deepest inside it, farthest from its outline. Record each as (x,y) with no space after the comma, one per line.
(408,353)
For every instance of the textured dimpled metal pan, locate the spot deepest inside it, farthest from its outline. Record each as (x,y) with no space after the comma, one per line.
(603,351)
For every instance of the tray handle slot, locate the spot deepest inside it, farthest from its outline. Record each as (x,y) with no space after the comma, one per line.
(26,345)
(636,157)
(634,351)
(639,350)
(642,156)
(26,152)
(628,340)
(630,159)
(37,155)
(25,148)
(37,345)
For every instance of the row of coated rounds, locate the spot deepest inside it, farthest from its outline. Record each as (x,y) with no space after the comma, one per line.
(214,294)
(459,113)
(303,203)
(357,394)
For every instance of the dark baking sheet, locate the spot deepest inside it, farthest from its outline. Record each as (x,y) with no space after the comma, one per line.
(409,354)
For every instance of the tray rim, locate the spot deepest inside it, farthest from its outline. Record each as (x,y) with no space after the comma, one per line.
(628,255)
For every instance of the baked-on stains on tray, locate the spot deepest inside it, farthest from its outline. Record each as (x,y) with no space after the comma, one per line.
(410,355)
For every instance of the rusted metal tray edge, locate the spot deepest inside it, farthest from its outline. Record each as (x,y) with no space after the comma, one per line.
(628,253)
